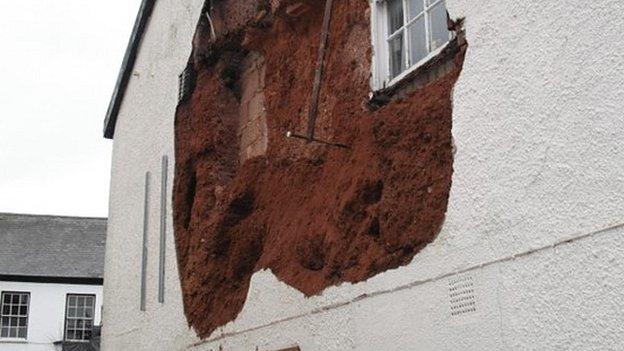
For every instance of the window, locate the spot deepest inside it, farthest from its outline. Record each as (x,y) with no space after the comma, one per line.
(79,314)
(14,315)
(406,34)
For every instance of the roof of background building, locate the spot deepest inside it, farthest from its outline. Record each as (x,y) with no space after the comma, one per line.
(145,12)
(52,246)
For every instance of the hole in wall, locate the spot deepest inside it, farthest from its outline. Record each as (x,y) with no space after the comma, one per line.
(316,216)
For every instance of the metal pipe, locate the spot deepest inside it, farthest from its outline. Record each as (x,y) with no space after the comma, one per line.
(319,71)
(145,236)
(163,229)
(290,134)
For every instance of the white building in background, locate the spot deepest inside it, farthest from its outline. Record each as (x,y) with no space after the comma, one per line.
(51,272)
(532,240)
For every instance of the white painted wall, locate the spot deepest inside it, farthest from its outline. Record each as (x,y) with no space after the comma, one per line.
(144,133)
(535,213)
(46,317)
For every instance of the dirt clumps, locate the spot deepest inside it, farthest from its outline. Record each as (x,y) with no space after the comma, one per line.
(315,215)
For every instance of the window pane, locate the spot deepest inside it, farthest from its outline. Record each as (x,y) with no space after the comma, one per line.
(78,334)
(23,311)
(397,56)
(80,312)
(418,41)
(6,298)
(15,299)
(72,301)
(14,310)
(12,333)
(415,8)
(395,15)
(4,333)
(71,312)
(89,312)
(21,332)
(71,324)
(5,321)
(439,27)
(25,299)
(6,310)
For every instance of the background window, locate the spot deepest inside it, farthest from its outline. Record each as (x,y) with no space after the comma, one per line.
(79,315)
(14,315)
(409,31)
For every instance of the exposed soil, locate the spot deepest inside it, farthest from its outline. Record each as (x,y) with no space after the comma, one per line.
(316,215)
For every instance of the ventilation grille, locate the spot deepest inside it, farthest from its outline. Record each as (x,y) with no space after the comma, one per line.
(186,84)
(462,297)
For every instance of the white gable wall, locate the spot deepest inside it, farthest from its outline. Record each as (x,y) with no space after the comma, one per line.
(535,213)
(143,134)
(46,317)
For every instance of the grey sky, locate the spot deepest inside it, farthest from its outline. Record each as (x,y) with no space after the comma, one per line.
(58,66)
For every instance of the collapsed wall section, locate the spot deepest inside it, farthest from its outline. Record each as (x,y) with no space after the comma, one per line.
(247,198)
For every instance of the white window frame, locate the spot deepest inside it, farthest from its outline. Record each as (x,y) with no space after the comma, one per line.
(82,318)
(380,78)
(19,315)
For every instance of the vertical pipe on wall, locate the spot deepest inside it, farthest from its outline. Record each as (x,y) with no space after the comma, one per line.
(145,231)
(163,229)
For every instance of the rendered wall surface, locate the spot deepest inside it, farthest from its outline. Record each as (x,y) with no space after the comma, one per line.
(46,318)
(144,133)
(534,216)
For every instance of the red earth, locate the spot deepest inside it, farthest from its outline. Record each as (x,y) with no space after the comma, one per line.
(315,215)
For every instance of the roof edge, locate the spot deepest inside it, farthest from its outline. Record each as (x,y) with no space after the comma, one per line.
(10,214)
(51,280)
(140,24)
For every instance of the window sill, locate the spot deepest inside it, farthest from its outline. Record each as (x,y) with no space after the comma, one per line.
(417,66)
(418,75)
(13,341)
(77,341)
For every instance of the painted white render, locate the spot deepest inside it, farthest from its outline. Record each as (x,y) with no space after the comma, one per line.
(534,218)
(46,318)
(143,134)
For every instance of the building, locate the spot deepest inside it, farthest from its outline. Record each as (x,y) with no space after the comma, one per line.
(51,272)
(367,176)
